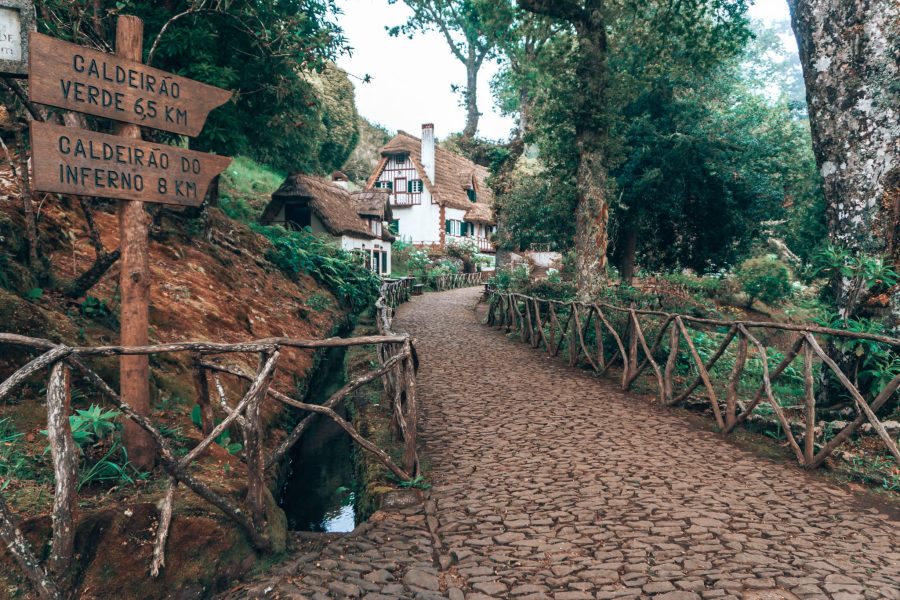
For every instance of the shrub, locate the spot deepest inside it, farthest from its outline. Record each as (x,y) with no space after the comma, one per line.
(511,280)
(297,252)
(764,278)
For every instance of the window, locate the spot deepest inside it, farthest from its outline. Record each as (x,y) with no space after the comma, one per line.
(415,186)
(400,158)
(455,227)
(464,229)
(384,265)
(471,194)
(400,185)
(375,226)
(384,185)
(297,216)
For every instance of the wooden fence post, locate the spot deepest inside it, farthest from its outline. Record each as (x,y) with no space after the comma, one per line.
(64,454)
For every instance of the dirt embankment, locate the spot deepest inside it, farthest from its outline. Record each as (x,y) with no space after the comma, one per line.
(211,281)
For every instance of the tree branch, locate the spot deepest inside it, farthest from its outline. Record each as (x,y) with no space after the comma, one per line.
(569,10)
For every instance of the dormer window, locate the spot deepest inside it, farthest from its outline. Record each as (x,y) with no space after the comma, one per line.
(471,194)
(400,158)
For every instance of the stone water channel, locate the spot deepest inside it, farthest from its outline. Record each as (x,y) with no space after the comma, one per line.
(318,491)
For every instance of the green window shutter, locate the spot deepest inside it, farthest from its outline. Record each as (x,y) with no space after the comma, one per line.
(447,224)
(409,186)
(395,226)
(471,193)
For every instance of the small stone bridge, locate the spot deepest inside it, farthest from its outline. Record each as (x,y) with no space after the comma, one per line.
(551,483)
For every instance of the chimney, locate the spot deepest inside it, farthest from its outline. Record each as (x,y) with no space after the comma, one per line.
(340,180)
(428,150)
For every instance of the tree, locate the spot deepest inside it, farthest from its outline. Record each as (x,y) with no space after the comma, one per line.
(848,51)
(470,28)
(588,21)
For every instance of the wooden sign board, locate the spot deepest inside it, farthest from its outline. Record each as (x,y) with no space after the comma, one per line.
(85,163)
(16,21)
(77,78)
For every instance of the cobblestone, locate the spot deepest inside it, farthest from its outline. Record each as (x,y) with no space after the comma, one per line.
(549,483)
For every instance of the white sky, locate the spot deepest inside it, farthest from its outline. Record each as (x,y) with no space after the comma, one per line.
(411,79)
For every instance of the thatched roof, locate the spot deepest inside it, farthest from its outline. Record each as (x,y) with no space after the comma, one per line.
(333,205)
(480,213)
(453,174)
(373,203)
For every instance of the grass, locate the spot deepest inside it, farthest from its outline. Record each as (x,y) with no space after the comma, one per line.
(246,188)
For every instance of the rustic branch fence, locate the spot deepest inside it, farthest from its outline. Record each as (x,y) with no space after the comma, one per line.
(67,366)
(442,283)
(600,335)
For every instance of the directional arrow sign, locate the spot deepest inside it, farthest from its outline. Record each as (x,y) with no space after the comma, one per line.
(84,80)
(76,161)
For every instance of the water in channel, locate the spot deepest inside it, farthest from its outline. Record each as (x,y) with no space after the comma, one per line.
(318,492)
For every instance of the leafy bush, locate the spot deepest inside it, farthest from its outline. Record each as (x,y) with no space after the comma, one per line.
(298,252)
(551,290)
(865,273)
(511,280)
(104,459)
(765,278)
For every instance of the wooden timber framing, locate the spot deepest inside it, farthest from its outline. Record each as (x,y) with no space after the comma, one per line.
(521,314)
(51,578)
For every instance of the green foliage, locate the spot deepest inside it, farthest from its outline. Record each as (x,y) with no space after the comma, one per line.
(301,252)
(14,463)
(113,467)
(871,363)
(34,293)
(516,279)
(104,459)
(366,153)
(91,425)
(246,187)
(706,285)
(318,302)
(417,482)
(537,209)
(765,278)
(867,274)
(551,289)
(467,251)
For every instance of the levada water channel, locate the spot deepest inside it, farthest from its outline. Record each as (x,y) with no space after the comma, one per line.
(318,493)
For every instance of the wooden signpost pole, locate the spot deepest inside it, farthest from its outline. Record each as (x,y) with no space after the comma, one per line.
(134,279)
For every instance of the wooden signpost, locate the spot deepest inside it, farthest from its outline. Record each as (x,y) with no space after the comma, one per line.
(74,161)
(112,86)
(122,166)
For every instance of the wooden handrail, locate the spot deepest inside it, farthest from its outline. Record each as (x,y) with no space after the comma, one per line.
(515,312)
(397,371)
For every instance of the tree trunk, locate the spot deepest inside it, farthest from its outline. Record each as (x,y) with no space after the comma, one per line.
(850,71)
(591,137)
(592,211)
(473,63)
(628,256)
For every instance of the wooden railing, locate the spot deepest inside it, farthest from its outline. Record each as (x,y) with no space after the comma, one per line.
(68,369)
(442,283)
(600,335)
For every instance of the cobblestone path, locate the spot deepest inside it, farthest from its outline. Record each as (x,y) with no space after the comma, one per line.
(549,483)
